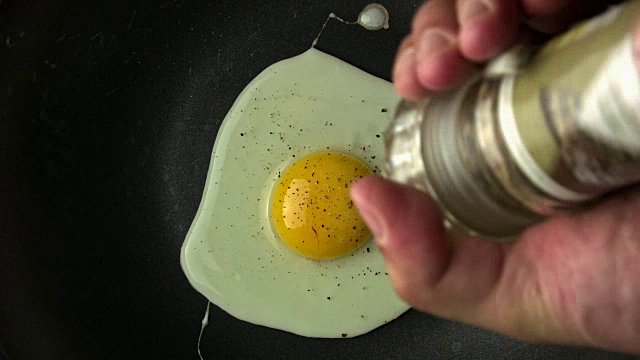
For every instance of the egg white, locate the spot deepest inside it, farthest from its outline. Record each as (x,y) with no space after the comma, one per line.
(306,104)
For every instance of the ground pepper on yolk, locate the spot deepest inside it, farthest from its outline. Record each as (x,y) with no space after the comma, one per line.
(311,209)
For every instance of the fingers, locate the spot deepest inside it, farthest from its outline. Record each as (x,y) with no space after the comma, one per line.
(404,75)
(439,63)
(449,39)
(488,27)
(544,7)
(446,44)
(636,43)
(429,58)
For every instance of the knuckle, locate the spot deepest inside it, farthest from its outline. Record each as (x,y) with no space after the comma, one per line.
(435,14)
(412,294)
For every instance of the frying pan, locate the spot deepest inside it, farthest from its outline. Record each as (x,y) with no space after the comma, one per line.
(109,111)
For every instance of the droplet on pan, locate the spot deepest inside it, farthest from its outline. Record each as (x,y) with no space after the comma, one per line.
(374,17)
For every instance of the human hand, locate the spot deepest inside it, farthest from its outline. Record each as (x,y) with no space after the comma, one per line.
(573,279)
(450,38)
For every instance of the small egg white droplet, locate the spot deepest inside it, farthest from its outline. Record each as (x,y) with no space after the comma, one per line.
(374,17)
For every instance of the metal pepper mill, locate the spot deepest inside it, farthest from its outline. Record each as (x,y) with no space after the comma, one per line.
(541,131)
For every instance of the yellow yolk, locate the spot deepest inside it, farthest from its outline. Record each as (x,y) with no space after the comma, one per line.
(311,209)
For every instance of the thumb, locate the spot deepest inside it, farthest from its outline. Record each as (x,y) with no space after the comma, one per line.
(452,280)
(409,231)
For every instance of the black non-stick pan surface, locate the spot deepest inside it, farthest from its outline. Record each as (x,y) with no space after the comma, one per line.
(108,115)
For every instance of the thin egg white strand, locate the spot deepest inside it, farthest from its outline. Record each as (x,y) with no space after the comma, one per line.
(372,17)
(205,322)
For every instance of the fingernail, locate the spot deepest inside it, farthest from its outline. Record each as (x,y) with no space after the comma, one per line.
(406,58)
(433,42)
(472,10)
(373,220)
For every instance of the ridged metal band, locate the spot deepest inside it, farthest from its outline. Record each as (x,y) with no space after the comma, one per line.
(520,153)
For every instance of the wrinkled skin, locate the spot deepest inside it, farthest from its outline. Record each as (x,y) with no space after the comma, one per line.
(573,279)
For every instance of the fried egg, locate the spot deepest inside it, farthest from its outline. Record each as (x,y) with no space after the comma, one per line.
(276,240)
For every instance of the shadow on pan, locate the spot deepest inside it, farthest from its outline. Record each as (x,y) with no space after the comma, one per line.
(109,113)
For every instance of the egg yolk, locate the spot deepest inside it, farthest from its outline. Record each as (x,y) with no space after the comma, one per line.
(311,209)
